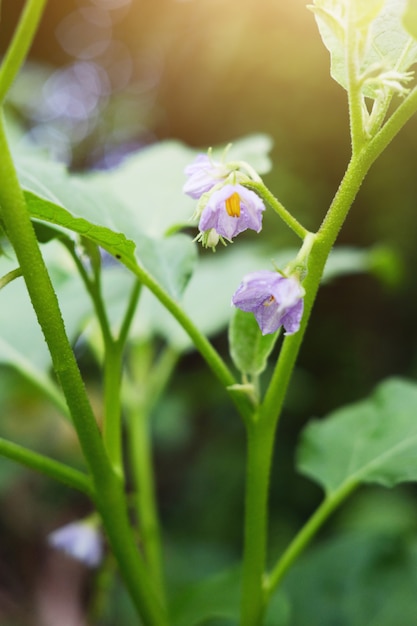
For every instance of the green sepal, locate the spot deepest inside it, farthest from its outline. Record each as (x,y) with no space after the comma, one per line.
(249,349)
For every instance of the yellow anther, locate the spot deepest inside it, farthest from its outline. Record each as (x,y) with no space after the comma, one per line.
(269,301)
(233,205)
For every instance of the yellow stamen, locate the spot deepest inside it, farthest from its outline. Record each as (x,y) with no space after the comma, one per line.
(269,301)
(233,205)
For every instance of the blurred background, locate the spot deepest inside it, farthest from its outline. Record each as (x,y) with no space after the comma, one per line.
(109,77)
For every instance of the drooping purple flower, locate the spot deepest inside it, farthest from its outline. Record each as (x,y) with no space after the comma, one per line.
(231,210)
(274,299)
(81,540)
(203,174)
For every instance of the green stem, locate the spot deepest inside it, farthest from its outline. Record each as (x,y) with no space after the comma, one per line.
(113,368)
(353,87)
(93,287)
(264,193)
(10,276)
(110,498)
(393,125)
(147,384)
(20,44)
(130,311)
(112,428)
(270,409)
(139,442)
(260,440)
(201,343)
(54,469)
(306,534)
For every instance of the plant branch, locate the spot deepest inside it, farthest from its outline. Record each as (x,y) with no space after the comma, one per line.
(306,534)
(20,44)
(264,193)
(201,343)
(54,469)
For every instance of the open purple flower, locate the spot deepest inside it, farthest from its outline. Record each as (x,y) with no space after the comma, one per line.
(231,210)
(203,174)
(81,540)
(274,299)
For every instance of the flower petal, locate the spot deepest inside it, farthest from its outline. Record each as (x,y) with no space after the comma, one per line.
(203,174)
(275,300)
(81,540)
(215,214)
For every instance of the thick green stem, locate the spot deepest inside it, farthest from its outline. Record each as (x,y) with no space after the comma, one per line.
(109,495)
(260,441)
(270,410)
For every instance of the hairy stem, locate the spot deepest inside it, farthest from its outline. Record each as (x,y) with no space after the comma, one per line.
(109,495)
(264,193)
(270,409)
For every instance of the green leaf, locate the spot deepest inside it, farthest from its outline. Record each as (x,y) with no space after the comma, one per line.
(346,260)
(249,349)
(355,579)
(372,441)
(253,149)
(21,341)
(171,261)
(149,183)
(381,261)
(410,18)
(219,597)
(86,207)
(390,44)
(69,203)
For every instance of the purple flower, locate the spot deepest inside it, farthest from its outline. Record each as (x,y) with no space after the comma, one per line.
(231,210)
(203,173)
(81,540)
(274,299)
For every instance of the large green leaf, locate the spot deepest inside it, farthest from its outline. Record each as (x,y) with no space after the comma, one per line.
(372,441)
(128,210)
(391,45)
(86,207)
(149,183)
